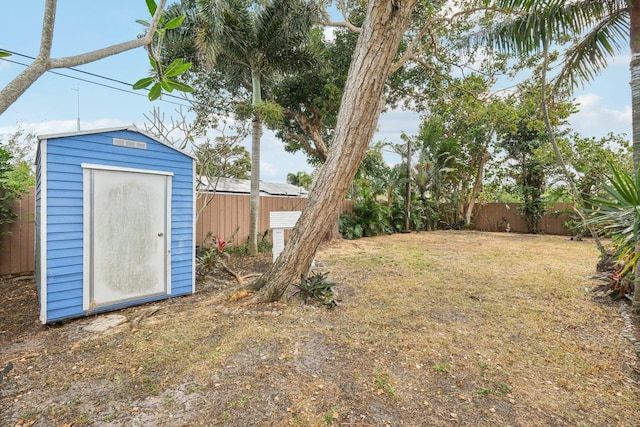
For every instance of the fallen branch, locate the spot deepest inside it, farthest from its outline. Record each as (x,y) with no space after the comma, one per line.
(240,279)
(233,273)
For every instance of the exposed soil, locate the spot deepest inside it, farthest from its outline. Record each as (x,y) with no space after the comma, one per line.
(435,329)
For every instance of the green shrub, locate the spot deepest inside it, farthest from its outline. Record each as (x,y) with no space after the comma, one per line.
(316,287)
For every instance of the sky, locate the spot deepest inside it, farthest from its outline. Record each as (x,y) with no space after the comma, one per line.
(54,102)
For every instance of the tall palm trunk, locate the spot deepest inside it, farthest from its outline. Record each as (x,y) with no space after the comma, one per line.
(254,199)
(577,197)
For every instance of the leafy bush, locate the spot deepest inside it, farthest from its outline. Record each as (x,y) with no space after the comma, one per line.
(416,216)
(209,254)
(264,245)
(369,218)
(350,228)
(10,188)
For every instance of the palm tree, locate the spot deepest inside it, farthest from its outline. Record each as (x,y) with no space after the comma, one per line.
(247,42)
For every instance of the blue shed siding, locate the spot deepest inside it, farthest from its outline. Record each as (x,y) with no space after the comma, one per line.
(39,259)
(64,211)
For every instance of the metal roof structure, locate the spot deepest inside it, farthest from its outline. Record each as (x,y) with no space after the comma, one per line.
(243,186)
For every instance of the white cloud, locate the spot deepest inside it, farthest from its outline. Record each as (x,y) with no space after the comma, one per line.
(594,119)
(62,126)
(268,170)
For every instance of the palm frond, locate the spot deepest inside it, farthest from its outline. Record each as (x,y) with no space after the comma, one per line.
(600,28)
(585,59)
(284,31)
(225,27)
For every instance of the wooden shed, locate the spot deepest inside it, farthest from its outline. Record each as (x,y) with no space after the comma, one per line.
(114,221)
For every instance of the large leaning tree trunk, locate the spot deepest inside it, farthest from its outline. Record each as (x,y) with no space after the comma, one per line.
(43,62)
(360,109)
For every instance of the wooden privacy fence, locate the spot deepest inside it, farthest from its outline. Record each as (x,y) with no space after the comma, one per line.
(495,216)
(17,254)
(227,216)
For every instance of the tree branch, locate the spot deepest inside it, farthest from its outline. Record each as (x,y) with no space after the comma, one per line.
(43,63)
(48,23)
(409,54)
(346,23)
(310,128)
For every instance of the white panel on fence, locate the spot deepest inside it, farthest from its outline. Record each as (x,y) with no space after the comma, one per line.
(278,222)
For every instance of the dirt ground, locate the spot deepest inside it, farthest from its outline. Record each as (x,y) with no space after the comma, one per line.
(435,329)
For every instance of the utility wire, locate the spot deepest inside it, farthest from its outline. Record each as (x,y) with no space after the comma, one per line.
(71,68)
(94,82)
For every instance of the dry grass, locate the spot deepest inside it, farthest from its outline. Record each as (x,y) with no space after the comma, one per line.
(445,328)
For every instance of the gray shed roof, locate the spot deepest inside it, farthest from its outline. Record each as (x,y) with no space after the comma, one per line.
(243,186)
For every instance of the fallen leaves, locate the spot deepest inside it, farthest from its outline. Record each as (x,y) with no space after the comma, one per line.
(237,296)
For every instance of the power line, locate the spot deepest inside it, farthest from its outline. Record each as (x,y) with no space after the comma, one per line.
(94,82)
(72,68)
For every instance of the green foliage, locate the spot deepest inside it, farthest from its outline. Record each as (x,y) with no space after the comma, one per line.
(618,217)
(350,228)
(4,54)
(443,367)
(589,158)
(9,191)
(270,112)
(311,95)
(523,143)
(209,254)
(589,33)
(300,179)
(617,284)
(316,287)
(264,245)
(369,218)
(164,78)
(574,223)
(416,215)
(531,183)
(20,146)
(225,158)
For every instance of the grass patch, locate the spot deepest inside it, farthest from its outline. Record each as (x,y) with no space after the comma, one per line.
(383,384)
(432,322)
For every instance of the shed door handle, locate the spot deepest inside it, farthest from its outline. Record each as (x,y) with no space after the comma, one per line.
(160,234)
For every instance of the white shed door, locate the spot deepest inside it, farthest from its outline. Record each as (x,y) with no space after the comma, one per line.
(128,236)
